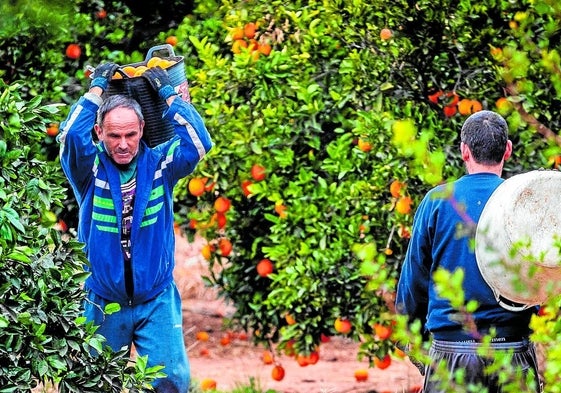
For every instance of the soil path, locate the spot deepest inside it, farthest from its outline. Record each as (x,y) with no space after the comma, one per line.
(239,363)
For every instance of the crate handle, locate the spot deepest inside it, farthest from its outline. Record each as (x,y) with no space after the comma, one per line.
(157,48)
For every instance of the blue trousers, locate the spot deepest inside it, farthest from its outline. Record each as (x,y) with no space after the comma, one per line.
(465,356)
(155,328)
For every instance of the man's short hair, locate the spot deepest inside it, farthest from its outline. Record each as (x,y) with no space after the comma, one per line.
(486,134)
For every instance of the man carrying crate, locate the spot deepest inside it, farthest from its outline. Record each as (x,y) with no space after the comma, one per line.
(125,193)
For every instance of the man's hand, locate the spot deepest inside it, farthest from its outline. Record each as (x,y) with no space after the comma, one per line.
(103,74)
(159,80)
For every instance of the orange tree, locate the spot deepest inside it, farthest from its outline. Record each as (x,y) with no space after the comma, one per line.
(335,102)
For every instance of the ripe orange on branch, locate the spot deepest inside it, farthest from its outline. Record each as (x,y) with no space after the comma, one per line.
(196,186)
(383,363)
(258,172)
(385,34)
(395,188)
(73,51)
(222,204)
(264,267)
(342,325)
(277,373)
(403,205)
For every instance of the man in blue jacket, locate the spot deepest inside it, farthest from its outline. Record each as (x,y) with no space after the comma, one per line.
(125,193)
(442,238)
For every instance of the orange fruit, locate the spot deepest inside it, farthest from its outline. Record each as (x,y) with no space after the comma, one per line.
(382,331)
(476,106)
(52,129)
(280,209)
(395,188)
(202,336)
(403,205)
(140,70)
(361,375)
(452,98)
(221,220)
(258,172)
(449,110)
(388,251)
(196,186)
(153,62)
(277,373)
(245,187)
(467,106)
(238,45)
(204,352)
(73,51)
(249,30)
(267,357)
(208,384)
(129,70)
(265,49)
(165,63)
(313,357)
(289,348)
(342,325)
(385,34)
(237,33)
(225,340)
(225,246)
(222,204)
(464,106)
(364,145)
(434,97)
(172,40)
(302,360)
(207,251)
(101,14)
(290,319)
(383,363)
(264,267)
(399,353)
(253,45)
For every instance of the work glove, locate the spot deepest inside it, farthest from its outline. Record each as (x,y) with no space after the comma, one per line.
(103,74)
(159,80)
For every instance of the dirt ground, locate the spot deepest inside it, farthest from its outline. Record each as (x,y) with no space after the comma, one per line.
(236,362)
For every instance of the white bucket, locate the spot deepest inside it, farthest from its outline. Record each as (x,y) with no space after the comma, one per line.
(518,240)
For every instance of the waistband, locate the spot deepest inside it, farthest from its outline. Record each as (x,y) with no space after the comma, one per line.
(474,347)
(503,334)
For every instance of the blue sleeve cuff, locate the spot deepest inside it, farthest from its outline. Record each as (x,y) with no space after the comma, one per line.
(100,82)
(166,92)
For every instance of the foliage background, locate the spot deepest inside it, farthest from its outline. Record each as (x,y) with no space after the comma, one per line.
(324,214)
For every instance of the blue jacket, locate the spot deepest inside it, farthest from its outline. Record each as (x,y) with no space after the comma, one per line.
(96,184)
(441,237)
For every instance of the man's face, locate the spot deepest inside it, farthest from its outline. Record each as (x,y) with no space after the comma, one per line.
(121,134)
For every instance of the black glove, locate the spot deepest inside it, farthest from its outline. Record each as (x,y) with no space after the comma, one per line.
(159,80)
(103,74)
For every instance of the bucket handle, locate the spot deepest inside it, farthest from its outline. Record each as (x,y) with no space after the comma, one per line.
(157,48)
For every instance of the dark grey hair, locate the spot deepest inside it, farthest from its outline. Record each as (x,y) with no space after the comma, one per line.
(118,101)
(486,135)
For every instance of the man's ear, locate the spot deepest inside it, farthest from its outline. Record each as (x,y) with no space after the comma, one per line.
(466,152)
(508,150)
(98,131)
(141,128)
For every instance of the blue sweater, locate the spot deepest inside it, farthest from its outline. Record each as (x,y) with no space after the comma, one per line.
(438,241)
(96,184)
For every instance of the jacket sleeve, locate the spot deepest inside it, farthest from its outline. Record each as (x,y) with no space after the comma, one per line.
(77,148)
(413,285)
(194,139)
